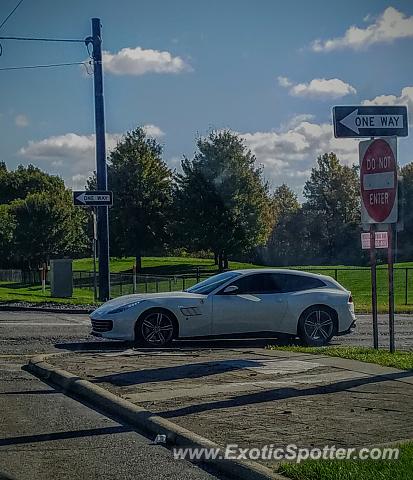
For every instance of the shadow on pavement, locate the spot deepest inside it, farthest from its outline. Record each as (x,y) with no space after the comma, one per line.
(46,437)
(177,345)
(164,374)
(98,346)
(281,394)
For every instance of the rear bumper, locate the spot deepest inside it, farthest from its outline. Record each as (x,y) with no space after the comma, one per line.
(349,330)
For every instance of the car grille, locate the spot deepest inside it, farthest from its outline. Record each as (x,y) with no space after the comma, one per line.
(102,325)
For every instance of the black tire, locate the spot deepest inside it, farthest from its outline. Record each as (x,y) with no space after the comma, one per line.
(155,328)
(317,326)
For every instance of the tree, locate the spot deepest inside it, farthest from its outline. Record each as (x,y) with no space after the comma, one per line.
(24,181)
(333,203)
(47,226)
(37,218)
(221,198)
(405,251)
(7,228)
(142,189)
(282,242)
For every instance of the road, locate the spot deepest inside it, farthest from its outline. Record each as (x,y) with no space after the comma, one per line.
(48,435)
(28,333)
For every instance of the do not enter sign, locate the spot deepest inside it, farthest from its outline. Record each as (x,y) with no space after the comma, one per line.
(378,175)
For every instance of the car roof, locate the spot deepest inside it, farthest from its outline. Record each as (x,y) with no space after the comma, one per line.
(279,270)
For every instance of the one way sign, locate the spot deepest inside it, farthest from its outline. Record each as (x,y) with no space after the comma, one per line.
(370,121)
(93,198)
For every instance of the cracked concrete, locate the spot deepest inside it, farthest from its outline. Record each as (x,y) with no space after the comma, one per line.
(255,397)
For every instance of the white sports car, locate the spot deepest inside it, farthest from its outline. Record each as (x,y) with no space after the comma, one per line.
(235,303)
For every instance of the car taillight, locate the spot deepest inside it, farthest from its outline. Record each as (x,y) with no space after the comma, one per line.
(350,299)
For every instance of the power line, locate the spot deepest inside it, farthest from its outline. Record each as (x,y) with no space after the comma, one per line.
(33,39)
(10,14)
(50,65)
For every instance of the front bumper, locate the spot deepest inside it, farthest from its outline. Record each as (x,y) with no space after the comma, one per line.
(101,326)
(112,328)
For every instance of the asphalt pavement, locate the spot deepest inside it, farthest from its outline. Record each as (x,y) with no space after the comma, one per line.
(36,332)
(47,435)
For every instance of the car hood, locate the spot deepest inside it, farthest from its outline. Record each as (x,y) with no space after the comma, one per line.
(125,299)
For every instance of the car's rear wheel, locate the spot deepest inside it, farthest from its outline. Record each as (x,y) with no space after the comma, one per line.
(156,328)
(316,326)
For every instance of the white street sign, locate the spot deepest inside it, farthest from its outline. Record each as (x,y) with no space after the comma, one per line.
(381,240)
(354,121)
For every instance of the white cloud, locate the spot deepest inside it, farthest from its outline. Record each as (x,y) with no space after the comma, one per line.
(153,131)
(138,61)
(405,98)
(320,88)
(21,120)
(71,155)
(284,82)
(288,155)
(389,26)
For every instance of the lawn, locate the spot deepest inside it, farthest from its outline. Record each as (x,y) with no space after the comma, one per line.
(35,294)
(401,360)
(400,469)
(160,265)
(355,279)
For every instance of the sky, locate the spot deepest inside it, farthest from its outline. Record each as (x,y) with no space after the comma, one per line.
(269,70)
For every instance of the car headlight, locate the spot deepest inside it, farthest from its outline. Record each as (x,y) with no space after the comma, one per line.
(122,308)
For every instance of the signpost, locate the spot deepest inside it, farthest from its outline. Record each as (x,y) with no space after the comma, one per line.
(370,121)
(379,205)
(93,198)
(379,184)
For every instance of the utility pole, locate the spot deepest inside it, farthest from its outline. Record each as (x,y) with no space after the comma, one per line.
(101,169)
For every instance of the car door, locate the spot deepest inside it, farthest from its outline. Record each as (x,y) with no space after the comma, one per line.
(257,305)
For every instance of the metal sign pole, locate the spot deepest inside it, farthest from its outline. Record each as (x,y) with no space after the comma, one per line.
(374,285)
(391,286)
(101,170)
(95,285)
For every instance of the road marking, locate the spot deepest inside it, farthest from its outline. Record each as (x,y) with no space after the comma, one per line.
(42,324)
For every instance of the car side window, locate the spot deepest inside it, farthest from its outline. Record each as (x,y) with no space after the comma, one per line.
(259,283)
(289,282)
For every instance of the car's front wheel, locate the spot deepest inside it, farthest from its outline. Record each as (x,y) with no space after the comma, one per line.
(316,326)
(156,328)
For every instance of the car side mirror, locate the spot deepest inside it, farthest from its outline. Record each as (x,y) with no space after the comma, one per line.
(230,289)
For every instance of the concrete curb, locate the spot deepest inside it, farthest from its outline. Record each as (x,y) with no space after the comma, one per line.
(16,308)
(145,420)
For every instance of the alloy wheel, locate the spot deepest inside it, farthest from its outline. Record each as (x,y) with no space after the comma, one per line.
(318,325)
(157,329)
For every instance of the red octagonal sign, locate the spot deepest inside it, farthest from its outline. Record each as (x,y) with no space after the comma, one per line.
(378,172)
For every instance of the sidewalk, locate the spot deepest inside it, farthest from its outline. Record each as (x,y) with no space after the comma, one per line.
(255,397)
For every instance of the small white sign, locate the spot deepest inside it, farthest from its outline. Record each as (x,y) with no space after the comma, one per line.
(381,240)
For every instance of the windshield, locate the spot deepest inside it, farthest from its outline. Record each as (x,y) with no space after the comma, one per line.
(207,286)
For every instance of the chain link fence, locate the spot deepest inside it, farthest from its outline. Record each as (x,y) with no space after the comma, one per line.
(355,279)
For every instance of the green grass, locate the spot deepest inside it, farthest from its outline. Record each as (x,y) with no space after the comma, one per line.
(400,469)
(355,279)
(35,294)
(160,265)
(401,360)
